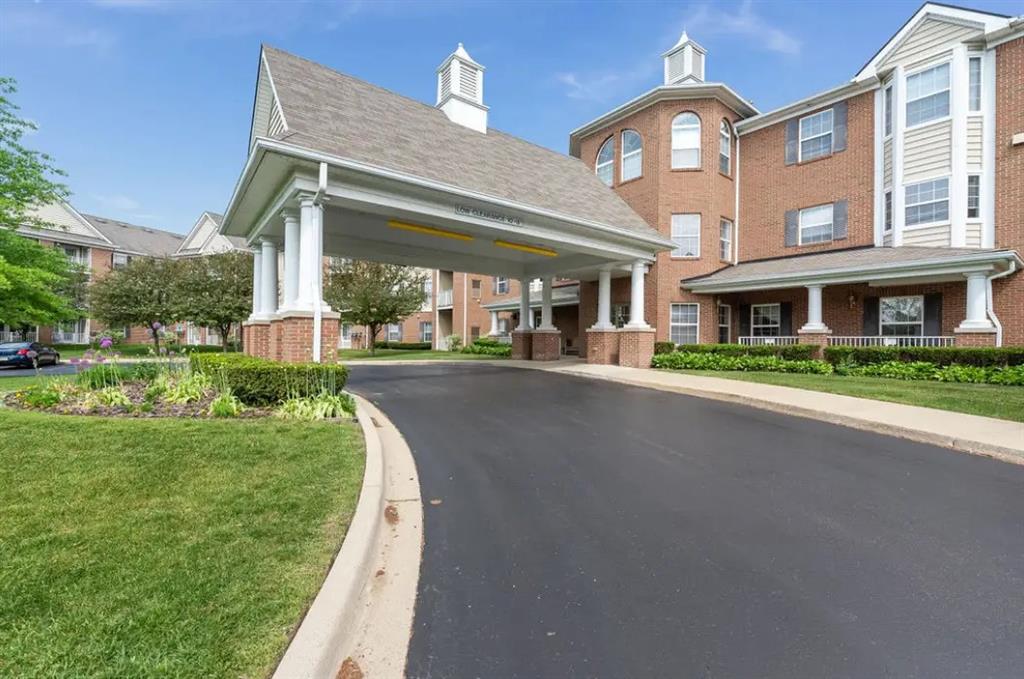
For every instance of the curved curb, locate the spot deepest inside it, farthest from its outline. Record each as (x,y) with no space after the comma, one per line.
(326,633)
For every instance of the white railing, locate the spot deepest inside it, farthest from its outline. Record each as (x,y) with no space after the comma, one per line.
(60,337)
(444,298)
(504,339)
(770,341)
(11,336)
(888,341)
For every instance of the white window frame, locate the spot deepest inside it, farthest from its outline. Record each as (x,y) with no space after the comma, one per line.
(394,332)
(502,326)
(907,204)
(620,315)
(887,110)
(673,325)
(638,152)
(500,285)
(427,326)
(887,211)
(974,89)
(727,325)
(977,196)
(125,260)
(801,226)
(881,318)
(909,101)
(606,165)
(725,148)
(830,113)
(757,330)
(725,242)
(677,238)
(685,127)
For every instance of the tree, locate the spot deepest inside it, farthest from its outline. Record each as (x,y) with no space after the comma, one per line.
(374,295)
(216,291)
(37,283)
(147,292)
(25,175)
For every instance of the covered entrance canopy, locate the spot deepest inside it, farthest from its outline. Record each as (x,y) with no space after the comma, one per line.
(338,167)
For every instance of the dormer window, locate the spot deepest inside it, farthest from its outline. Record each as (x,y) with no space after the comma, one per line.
(632,155)
(686,141)
(606,162)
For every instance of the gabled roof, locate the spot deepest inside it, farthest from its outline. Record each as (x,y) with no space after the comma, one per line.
(138,240)
(68,225)
(198,239)
(339,115)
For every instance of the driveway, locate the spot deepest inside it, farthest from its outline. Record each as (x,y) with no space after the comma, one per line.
(64,368)
(588,529)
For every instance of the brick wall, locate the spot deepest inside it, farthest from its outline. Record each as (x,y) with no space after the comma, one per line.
(1008,293)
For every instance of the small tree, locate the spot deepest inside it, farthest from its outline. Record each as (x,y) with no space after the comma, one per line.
(373,294)
(38,284)
(146,292)
(216,291)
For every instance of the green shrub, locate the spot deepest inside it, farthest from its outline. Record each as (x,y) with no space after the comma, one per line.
(896,370)
(940,356)
(488,347)
(664,347)
(38,396)
(685,360)
(188,388)
(454,342)
(226,405)
(323,406)
(111,396)
(1011,376)
(260,382)
(409,346)
(790,352)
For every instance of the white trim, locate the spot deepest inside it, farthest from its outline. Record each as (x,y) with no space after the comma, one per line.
(831,223)
(988,159)
(688,127)
(899,125)
(778,326)
(958,84)
(624,155)
(736,207)
(945,61)
(881,324)
(878,178)
(948,200)
(800,133)
(727,326)
(824,99)
(599,164)
(729,240)
(695,326)
(700,225)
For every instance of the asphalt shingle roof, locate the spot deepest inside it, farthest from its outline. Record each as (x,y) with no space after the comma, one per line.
(140,239)
(335,113)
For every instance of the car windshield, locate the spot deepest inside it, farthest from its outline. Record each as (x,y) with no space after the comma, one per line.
(13,345)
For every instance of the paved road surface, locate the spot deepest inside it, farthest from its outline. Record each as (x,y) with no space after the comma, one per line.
(589,529)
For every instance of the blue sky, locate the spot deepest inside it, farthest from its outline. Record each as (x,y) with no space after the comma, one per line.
(147,105)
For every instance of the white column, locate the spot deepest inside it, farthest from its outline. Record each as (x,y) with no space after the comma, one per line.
(604,300)
(494,324)
(636,295)
(291,258)
(814,323)
(977,303)
(311,255)
(524,305)
(257,283)
(545,305)
(268,284)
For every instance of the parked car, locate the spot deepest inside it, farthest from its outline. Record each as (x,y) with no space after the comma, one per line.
(27,355)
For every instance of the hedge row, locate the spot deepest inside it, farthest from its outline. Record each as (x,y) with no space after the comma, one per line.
(260,382)
(408,346)
(941,356)
(791,352)
(686,360)
(488,347)
(146,349)
(923,370)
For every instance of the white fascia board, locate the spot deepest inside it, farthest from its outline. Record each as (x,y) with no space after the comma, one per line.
(1014,30)
(983,261)
(60,236)
(656,240)
(815,101)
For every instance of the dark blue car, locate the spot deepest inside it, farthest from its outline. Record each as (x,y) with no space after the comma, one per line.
(27,355)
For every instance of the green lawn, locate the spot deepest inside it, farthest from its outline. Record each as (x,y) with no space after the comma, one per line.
(990,400)
(165,548)
(409,355)
(20,382)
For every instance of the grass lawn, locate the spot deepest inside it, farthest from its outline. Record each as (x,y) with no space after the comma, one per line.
(991,400)
(165,547)
(20,382)
(410,355)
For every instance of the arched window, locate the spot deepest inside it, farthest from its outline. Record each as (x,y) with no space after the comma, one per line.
(606,162)
(724,148)
(686,141)
(632,155)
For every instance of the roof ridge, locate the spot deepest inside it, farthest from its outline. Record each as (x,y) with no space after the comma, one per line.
(140,227)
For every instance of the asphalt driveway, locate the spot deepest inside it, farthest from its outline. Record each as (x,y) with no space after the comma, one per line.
(588,529)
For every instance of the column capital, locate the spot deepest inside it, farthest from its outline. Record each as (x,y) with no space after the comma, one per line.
(306,199)
(290,214)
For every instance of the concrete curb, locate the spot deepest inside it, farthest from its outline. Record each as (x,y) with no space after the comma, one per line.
(326,634)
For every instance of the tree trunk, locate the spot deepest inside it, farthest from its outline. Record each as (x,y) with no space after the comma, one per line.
(374,329)
(224,330)
(156,339)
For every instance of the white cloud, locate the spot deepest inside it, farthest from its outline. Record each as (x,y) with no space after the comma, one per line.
(118,202)
(35,27)
(744,23)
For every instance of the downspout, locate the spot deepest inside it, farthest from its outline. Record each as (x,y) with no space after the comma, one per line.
(318,200)
(988,301)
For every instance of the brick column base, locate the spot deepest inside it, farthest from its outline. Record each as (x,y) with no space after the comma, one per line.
(255,338)
(819,338)
(274,340)
(975,338)
(603,346)
(522,345)
(295,344)
(546,345)
(636,347)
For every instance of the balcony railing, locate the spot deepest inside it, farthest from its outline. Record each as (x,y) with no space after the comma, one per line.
(11,336)
(444,299)
(888,341)
(60,337)
(770,341)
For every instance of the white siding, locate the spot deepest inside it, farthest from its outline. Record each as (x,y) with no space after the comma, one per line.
(927,152)
(69,223)
(887,163)
(929,40)
(931,236)
(974,142)
(887,240)
(973,234)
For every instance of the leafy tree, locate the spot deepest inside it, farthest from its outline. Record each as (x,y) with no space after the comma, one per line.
(216,291)
(38,284)
(373,294)
(147,292)
(26,176)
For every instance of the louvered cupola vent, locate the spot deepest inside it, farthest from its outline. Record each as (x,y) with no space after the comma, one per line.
(460,90)
(684,62)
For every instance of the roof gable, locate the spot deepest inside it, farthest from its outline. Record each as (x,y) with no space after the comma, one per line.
(67,220)
(267,117)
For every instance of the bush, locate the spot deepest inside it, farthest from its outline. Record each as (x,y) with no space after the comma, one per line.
(226,405)
(685,360)
(260,382)
(664,347)
(408,346)
(323,406)
(454,342)
(104,375)
(790,352)
(488,347)
(940,356)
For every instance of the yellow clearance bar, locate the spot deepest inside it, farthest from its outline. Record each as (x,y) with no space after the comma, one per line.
(532,249)
(429,230)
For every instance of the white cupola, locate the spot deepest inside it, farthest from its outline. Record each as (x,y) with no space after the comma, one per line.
(460,90)
(684,63)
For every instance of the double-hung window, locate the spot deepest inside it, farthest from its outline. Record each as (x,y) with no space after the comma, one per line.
(428,294)
(974,84)
(426,331)
(888,211)
(816,135)
(928,95)
(632,155)
(724,148)
(725,240)
(620,315)
(973,196)
(686,141)
(500,286)
(394,332)
(120,260)
(683,323)
(765,320)
(927,202)
(816,224)
(901,316)
(606,162)
(887,94)
(686,235)
(724,323)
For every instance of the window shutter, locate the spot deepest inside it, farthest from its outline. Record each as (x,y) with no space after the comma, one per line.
(744,320)
(792,140)
(839,218)
(870,317)
(792,228)
(933,314)
(839,127)
(786,319)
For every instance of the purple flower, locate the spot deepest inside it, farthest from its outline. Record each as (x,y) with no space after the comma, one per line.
(106,343)
(74,361)
(100,359)
(156,325)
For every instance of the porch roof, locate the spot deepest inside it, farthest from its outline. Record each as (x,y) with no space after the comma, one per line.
(885,265)
(566,295)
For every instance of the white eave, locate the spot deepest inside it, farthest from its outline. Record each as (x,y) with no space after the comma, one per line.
(801,106)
